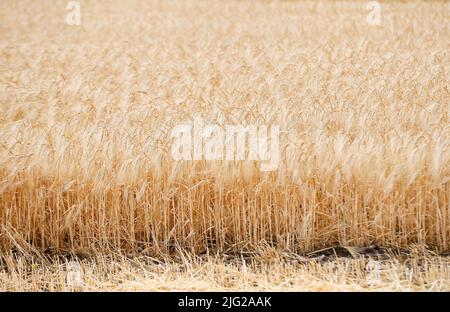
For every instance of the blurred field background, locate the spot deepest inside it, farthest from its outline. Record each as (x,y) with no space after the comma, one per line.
(86,112)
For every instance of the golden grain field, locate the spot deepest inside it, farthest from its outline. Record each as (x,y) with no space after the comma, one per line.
(86,113)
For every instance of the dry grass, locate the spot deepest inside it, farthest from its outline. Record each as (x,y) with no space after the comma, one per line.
(85,116)
(269,271)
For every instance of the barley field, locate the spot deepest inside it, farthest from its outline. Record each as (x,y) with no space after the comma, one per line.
(86,113)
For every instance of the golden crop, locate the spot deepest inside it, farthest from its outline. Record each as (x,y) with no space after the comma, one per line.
(86,112)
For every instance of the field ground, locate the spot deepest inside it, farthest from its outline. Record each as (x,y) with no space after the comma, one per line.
(268,271)
(85,165)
